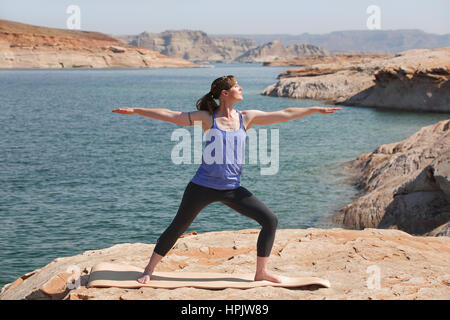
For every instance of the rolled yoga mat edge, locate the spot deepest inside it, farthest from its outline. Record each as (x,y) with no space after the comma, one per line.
(125,276)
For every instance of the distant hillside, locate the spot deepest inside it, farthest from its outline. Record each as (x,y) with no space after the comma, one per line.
(359,41)
(197,46)
(27,46)
(193,45)
(275,50)
(12,27)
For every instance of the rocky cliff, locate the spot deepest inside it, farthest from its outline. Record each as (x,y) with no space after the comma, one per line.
(421,83)
(26,46)
(360,41)
(412,80)
(404,185)
(198,46)
(275,50)
(192,45)
(370,264)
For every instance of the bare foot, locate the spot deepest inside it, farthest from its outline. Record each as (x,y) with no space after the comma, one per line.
(267,276)
(145,278)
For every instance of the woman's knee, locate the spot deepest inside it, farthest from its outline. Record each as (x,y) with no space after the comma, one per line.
(274,221)
(270,221)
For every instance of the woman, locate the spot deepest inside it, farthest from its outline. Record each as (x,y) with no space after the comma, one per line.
(220,180)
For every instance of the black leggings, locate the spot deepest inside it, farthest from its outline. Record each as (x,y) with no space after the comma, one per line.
(196,197)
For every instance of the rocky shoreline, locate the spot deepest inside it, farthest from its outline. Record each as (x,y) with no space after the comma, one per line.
(415,80)
(404,185)
(26,46)
(371,264)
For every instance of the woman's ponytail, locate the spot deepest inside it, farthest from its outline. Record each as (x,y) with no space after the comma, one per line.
(208,101)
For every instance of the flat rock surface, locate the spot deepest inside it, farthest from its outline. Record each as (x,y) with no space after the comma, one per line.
(360,264)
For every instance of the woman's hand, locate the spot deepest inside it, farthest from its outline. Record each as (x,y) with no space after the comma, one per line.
(326,110)
(125,110)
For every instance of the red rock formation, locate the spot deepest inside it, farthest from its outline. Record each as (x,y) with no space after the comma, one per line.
(409,267)
(26,46)
(404,185)
(412,80)
(423,87)
(191,44)
(275,50)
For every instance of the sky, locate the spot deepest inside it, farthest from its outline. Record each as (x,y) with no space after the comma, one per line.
(231,16)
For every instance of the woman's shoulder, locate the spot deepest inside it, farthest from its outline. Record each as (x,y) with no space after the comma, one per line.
(247,116)
(200,114)
(249,112)
(204,116)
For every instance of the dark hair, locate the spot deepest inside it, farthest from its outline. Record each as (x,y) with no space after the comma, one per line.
(207,102)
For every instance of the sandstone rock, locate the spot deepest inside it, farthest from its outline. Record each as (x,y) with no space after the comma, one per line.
(328,86)
(411,80)
(404,185)
(232,48)
(117,49)
(275,50)
(333,78)
(443,230)
(26,46)
(411,85)
(197,46)
(56,287)
(192,45)
(409,267)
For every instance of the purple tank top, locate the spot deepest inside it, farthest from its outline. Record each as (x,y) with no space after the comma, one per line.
(222,157)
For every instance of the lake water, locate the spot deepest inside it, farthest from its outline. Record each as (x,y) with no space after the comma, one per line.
(76,177)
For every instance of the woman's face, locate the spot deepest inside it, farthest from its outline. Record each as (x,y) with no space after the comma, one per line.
(234,93)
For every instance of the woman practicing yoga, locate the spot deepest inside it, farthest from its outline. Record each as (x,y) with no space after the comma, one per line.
(220,180)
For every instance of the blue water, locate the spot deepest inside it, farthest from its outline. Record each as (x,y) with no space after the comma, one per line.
(76,177)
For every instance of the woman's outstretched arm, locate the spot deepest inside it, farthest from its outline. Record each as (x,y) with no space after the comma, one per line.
(163,114)
(264,118)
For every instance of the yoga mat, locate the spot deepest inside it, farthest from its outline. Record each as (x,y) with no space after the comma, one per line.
(125,276)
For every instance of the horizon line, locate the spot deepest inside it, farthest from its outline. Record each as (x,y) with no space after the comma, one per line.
(234,34)
(280,34)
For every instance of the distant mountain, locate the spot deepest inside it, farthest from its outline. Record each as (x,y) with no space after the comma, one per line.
(192,45)
(359,41)
(27,46)
(197,46)
(275,50)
